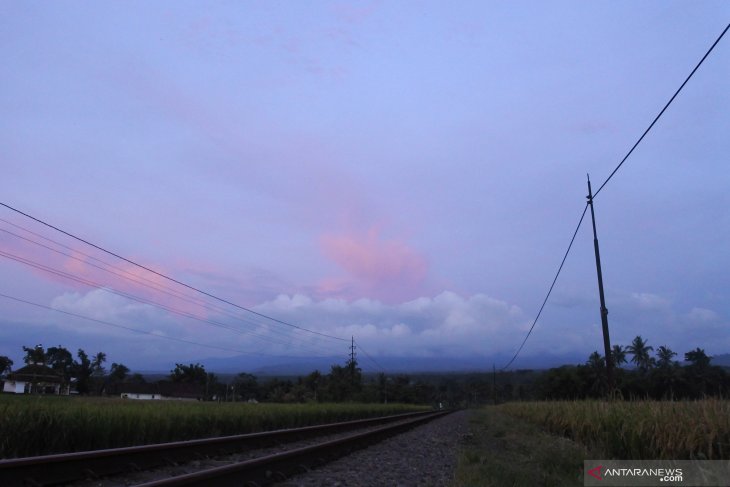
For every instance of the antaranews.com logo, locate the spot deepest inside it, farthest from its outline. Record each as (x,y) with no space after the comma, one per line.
(658,473)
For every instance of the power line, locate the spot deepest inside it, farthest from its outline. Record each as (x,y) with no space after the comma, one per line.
(167,308)
(375,362)
(155,286)
(549,290)
(134,277)
(604,184)
(128,328)
(168,277)
(152,285)
(662,112)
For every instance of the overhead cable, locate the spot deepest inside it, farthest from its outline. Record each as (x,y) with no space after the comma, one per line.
(128,328)
(134,278)
(662,111)
(375,362)
(193,288)
(170,309)
(549,290)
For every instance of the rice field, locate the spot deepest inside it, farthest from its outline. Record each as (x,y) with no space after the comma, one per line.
(32,426)
(679,430)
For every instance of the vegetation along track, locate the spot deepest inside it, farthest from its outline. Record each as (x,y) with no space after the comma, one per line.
(69,467)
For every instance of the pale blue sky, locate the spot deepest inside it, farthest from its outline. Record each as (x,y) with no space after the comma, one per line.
(408,172)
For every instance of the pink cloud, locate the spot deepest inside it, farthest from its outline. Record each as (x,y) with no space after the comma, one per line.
(79,270)
(385,268)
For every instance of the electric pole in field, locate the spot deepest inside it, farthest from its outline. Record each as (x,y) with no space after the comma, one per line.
(604,311)
(352,363)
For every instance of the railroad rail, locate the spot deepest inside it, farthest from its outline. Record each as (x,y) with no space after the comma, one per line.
(280,466)
(69,467)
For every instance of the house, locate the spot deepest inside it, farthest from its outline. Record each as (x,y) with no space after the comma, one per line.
(158,391)
(35,379)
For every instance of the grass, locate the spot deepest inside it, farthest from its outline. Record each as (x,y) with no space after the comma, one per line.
(676,430)
(39,425)
(545,443)
(506,451)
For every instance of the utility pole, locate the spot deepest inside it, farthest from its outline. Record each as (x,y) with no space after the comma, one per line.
(352,360)
(604,311)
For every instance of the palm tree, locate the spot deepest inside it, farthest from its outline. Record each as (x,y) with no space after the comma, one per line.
(698,370)
(667,374)
(640,351)
(664,357)
(618,354)
(596,365)
(596,361)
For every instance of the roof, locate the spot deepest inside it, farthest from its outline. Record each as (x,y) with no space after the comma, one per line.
(36,373)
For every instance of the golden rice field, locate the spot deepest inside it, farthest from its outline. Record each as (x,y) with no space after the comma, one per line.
(637,429)
(32,426)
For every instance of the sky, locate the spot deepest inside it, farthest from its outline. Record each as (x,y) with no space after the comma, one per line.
(406,173)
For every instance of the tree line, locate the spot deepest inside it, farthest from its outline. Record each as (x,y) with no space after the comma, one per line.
(87,375)
(640,372)
(341,384)
(654,376)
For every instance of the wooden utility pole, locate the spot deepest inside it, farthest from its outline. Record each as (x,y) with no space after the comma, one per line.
(604,310)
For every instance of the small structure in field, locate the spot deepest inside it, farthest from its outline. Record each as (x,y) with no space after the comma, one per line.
(158,391)
(35,379)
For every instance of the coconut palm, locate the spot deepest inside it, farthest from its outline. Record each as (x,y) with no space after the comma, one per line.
(596,367)
(640,353)
(664,357)
(618,354)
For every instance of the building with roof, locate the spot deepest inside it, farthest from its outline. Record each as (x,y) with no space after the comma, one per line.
(163,390)
(35,379)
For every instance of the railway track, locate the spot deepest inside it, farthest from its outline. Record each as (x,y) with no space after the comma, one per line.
(263,470)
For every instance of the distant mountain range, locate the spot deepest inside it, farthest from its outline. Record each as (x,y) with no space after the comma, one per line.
(722,360)
(291,366)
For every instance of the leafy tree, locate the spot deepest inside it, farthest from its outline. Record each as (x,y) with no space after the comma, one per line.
(6,365)
(338,384)
(276,390)
(701,378)
(698,358)
(35,355)
(136,378)
(98,359)
(665,380)
(194,373)
(313,382)
(246,386)
(640,351)
(566,382)
(118,372)
(60,360)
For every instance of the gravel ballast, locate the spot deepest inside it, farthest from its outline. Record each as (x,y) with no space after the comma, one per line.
(423,456)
